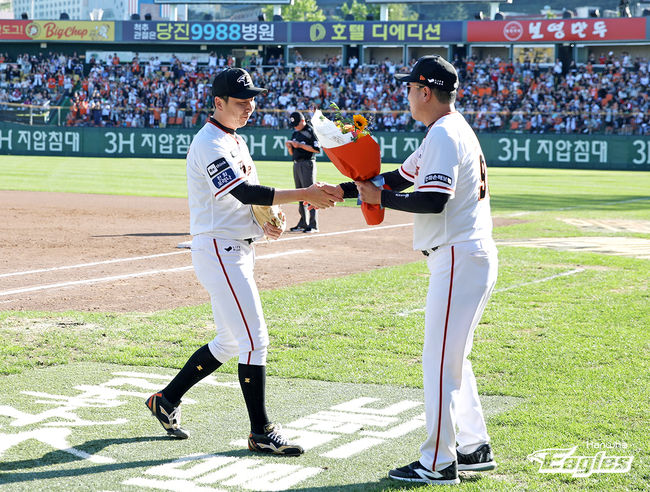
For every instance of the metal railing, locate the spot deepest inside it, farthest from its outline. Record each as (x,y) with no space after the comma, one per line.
(619,122)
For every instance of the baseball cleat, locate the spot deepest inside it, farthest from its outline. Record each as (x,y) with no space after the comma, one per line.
(167,414)
(272,441)
(310,229)
(415,472)
(480,460)
(297,229)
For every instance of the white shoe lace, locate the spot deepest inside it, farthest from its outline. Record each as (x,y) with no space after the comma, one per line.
(275,435)
(175,418)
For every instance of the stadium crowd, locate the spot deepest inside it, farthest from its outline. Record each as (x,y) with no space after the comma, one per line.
(494,94)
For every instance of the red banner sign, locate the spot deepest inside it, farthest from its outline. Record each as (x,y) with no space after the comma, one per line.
(13,29)
(557,30)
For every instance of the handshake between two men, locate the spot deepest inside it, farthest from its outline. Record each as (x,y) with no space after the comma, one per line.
(320,195)
(326,195)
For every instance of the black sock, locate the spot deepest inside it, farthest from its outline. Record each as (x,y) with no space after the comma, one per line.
(201,364)
(252,380)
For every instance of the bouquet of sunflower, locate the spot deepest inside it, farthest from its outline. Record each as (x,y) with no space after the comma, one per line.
(348,144)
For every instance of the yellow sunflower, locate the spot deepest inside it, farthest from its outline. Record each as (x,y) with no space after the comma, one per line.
(360,122)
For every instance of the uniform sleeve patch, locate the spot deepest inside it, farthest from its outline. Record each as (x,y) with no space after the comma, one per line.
(223,178)
(221,173)
(443,178)
(217,166)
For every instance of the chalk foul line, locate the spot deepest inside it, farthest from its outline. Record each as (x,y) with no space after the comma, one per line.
(94,263)
(351,231)
(146,273)
(186,250)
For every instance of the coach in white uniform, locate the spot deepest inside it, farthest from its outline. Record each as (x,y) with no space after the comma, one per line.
(453,228)
(222,185)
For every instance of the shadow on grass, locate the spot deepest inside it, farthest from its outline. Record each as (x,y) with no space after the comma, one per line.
(59,457)
(558,202)
(383,484)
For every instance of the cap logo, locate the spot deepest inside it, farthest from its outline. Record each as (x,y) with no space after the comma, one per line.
(422,77)
(436,81)
(245,79)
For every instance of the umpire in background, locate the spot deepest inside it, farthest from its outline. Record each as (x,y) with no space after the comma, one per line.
(303,147)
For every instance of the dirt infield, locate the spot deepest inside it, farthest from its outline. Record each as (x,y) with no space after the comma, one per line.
(52,240)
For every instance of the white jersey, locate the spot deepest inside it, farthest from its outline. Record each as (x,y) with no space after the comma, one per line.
(450,160)
(218,161)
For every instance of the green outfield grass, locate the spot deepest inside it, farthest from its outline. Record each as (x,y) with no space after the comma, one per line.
(575,349)
(512,189)
(141,177)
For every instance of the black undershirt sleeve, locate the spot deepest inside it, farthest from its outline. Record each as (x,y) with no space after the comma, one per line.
(393,179)
(418,202)
(349,190)
(250,194)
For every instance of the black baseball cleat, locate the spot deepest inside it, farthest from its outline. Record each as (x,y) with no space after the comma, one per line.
(415,472)
(167,414)
(310,229)
(273,442)
(297,229)
(480,460)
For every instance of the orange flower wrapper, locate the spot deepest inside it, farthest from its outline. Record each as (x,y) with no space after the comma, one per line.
(359,160)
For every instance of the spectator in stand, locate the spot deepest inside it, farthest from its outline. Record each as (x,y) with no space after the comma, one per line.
(610,98)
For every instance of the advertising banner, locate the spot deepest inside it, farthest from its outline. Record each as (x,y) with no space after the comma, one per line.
(376,32)
(26,30)
(557,30)
(13,30)
(501,149)
(205,32)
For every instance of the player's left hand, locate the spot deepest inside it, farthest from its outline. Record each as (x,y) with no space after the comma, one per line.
(271,231)
(368,192)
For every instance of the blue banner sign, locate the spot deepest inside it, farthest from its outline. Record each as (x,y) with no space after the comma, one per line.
(205,32)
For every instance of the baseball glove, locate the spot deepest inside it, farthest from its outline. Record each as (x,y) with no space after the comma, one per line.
(272,214)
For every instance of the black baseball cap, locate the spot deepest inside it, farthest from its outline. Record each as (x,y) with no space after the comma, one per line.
(433,71)
(234,82)
(295,118)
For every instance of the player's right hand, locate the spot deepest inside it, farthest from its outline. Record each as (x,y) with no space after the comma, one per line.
(335,190)
(320,195)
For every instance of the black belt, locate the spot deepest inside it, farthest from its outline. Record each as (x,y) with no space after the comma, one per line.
(427,252)
(249,240)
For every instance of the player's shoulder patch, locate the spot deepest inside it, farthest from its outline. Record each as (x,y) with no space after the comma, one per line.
(437,177)
(215,167)
(221,173)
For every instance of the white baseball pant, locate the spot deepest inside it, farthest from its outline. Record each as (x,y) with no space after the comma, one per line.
(225,268)
(462,278)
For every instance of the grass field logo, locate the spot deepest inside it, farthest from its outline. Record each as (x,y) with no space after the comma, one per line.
(100,424)
(559,460)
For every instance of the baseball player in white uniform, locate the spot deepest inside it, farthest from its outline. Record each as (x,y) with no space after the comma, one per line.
(453,229)
(222,185)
